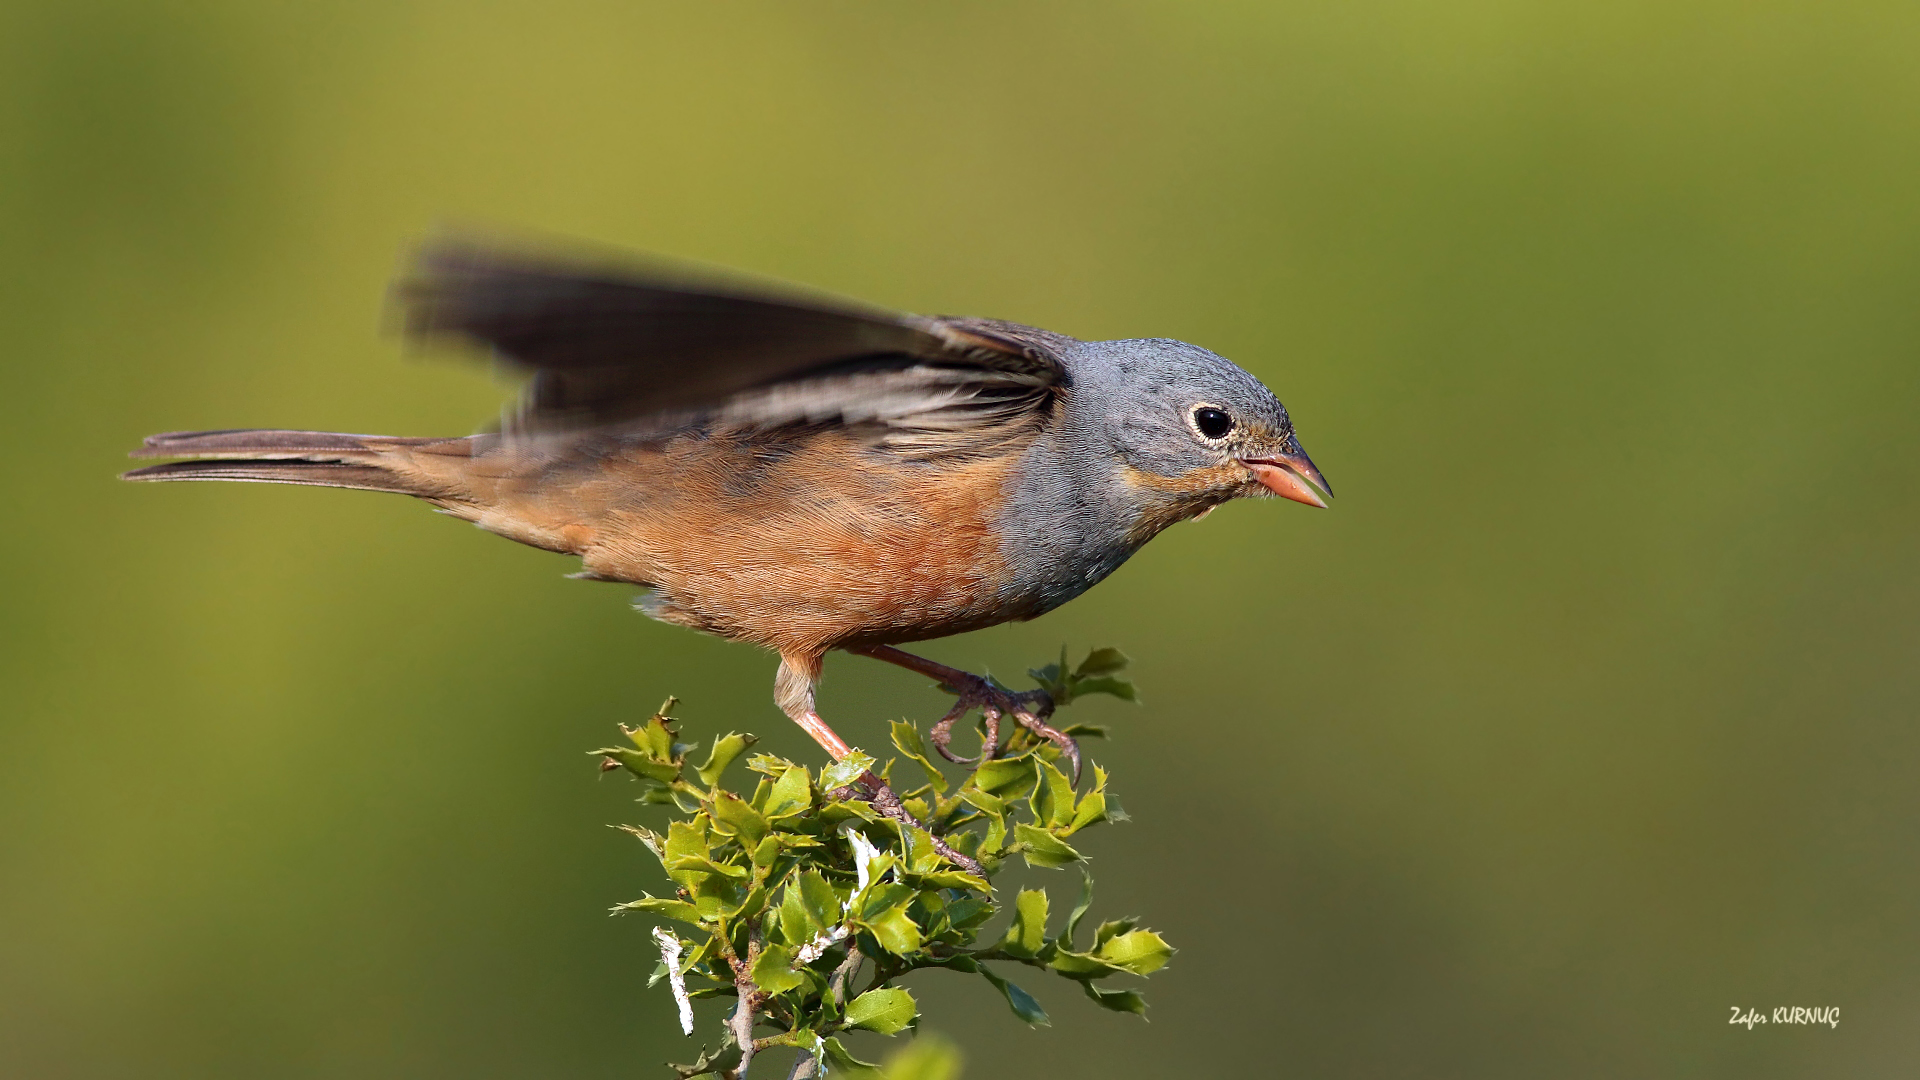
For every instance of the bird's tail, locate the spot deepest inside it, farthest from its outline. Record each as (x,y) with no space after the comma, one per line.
(315,458)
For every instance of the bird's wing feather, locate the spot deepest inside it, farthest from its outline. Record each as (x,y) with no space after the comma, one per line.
(614,346)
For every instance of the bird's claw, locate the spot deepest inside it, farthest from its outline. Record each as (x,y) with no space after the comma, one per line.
(1067,745)
(1030,709)
(942,734)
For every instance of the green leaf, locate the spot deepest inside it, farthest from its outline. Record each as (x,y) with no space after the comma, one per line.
(922,856)
(753,905)
(982,801)
(722,1058)
(966,843)
(1092,808)
(687,838)
(700,864)
(773,970)
(711,904)
(1119,688)
(642,764)
(1052,797)
(1126,1001)
(822,903)
(1019,1000)
(886,1010)
(895,931)
(1042,848)
(907,738)
(797,924)
(767,851)
(654,737)
(969,912)
(1053,677)
(1005,777)
(882,895)
(1111,929)
(791,796)
(732,816)
(1080,965)
(1079,910)
(654,793)
(996,835)
(950,879)
(845,771)
(654,841)
(1028,931)
(1141,952)
(700,953)
(956,962)
(927,1057)
(1101,662)
(1093,676)
(677,910)
(725,750)
(831,814)
(769,765)
(688,857)
(839,1061)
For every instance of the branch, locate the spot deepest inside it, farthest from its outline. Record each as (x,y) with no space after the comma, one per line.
(838,983)
(750,997)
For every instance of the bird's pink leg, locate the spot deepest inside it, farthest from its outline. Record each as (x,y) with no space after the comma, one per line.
(829,739)
(1030,708)
(793,690)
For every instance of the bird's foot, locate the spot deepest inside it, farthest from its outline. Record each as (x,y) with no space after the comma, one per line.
(1030,709)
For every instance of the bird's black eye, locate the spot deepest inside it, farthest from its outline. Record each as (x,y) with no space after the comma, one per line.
(1213,423)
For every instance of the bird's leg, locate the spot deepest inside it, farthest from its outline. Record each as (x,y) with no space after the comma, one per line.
(1030,708)
(793,690)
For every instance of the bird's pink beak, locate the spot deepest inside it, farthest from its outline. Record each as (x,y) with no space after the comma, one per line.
(1290,474)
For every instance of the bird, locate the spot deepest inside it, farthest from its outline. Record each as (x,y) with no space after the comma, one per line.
(794,470)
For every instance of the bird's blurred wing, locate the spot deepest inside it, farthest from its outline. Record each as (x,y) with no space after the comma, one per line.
(614,346)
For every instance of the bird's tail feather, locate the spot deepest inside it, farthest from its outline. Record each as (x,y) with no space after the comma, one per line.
(314,458)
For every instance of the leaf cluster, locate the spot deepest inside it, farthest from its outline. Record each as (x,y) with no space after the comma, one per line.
(1097,674)
(807,906)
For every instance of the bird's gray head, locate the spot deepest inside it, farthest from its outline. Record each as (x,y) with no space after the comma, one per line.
(1189,428)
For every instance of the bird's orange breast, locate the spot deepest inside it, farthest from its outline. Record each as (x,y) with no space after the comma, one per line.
(804,543)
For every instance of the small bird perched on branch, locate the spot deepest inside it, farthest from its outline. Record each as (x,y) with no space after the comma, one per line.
(799,473)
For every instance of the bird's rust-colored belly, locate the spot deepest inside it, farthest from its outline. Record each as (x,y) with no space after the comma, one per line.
(800,545)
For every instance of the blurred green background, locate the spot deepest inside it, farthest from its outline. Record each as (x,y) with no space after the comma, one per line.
(1587,714)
